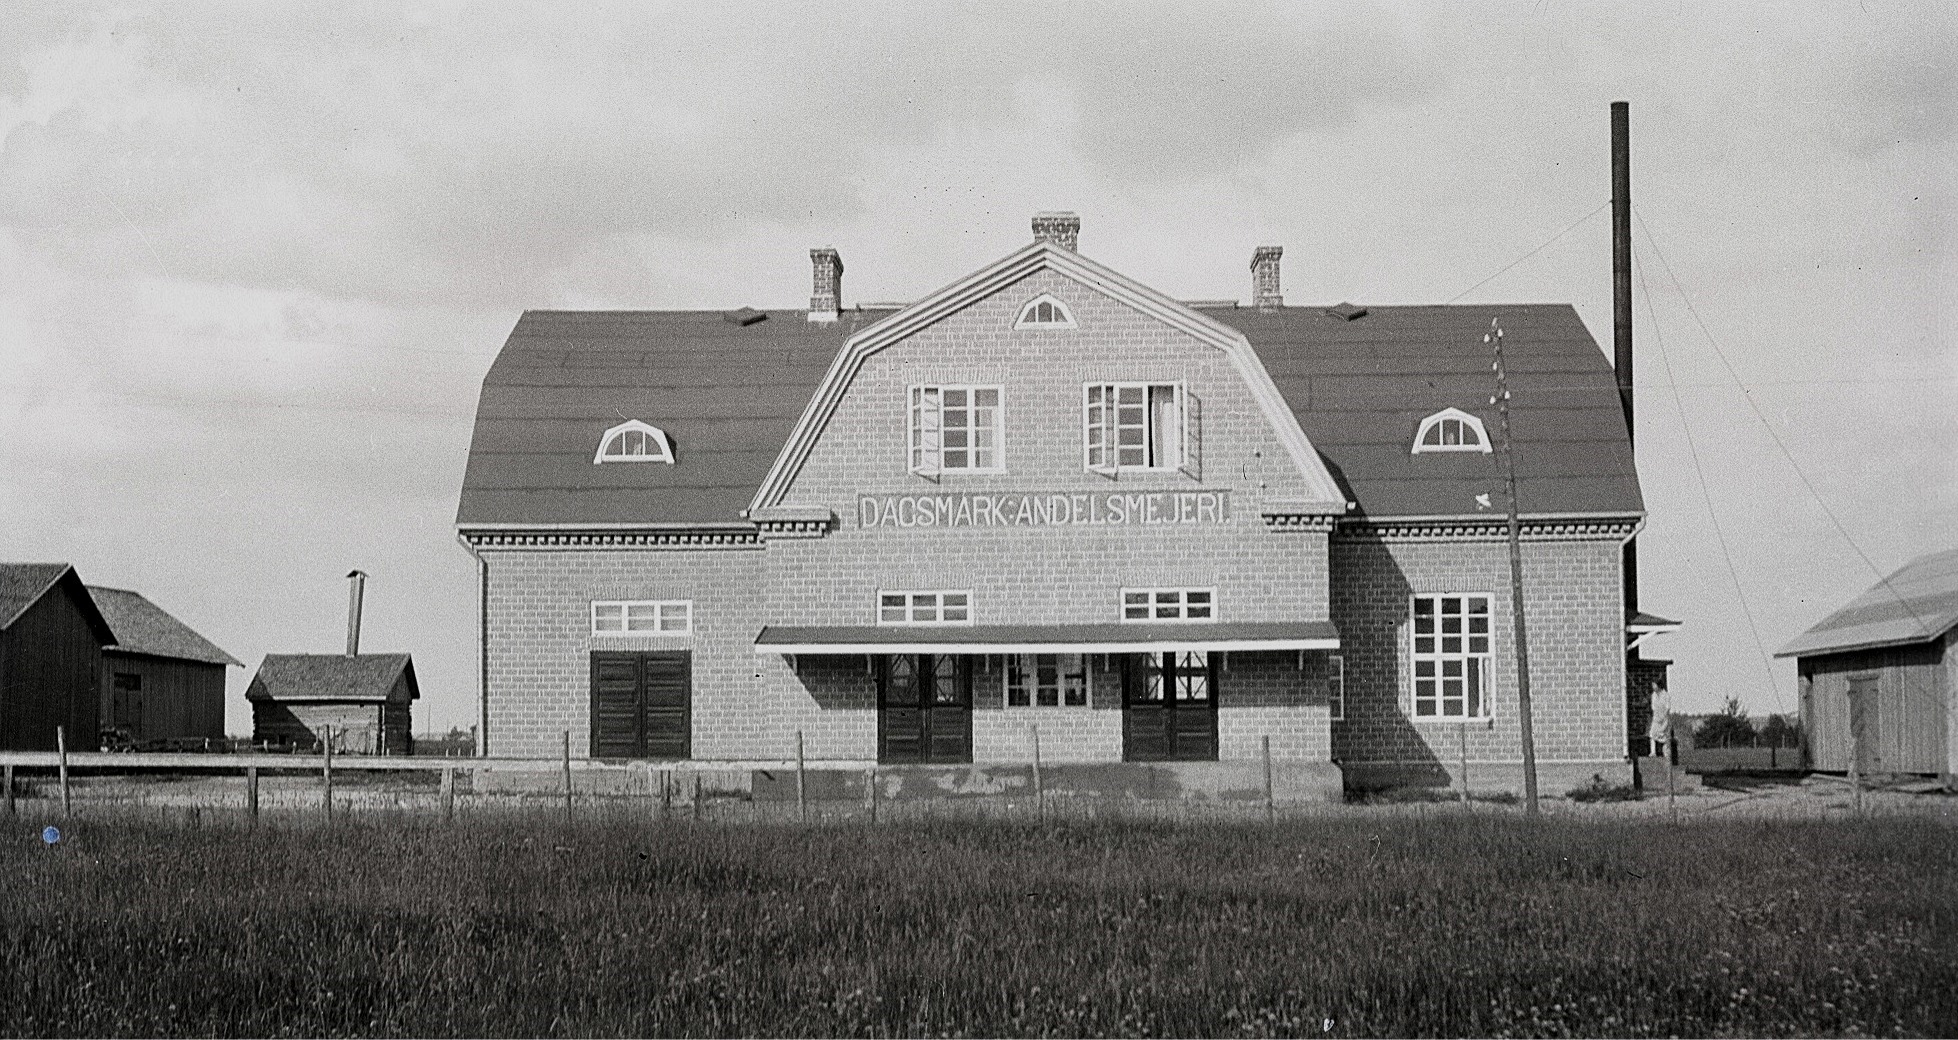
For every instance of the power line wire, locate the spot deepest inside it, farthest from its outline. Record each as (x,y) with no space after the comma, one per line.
(1706,495)
(1547,243)
(1881,578)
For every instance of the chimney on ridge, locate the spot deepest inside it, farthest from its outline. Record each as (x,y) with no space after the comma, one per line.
(1265,294)
(826,297)
(1063,229)
(358,585)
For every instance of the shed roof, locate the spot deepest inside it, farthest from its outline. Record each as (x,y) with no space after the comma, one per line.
(729,395)
(142,627)
(1917,603)
(23,584)
(332,677)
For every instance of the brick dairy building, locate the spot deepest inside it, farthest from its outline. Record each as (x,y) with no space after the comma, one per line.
(1048,496)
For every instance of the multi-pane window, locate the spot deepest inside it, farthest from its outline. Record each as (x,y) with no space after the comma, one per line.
(1044,310)
(1451,429)
(1046,680)
(1139,426)
(634,441)
(1183,673)
(954,427)
(666,617)
(924,608)
(1336,686)
(1451,656)
(1169,604)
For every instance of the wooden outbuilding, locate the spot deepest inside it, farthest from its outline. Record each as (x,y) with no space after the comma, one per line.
(51,639)
(1877,677)
(162,683)
(366,699)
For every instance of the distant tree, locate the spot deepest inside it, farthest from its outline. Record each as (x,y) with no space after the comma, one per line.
(1779,732)
(1730,728)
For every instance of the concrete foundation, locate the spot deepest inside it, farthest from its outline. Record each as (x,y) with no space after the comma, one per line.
(1292,782)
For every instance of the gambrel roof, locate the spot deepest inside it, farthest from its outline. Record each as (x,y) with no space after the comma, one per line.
(1916,604)
(731,396)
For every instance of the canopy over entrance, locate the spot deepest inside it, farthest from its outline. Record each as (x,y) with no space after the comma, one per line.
(1106,638)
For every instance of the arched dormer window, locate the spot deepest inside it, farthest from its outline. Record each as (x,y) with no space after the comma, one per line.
(1451,429)
(634,441)
(1044,312)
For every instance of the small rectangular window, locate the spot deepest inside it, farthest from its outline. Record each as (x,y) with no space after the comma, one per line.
(1139,426)
(1169,604)
(924,608)
(1451,652)
(954,428)
(668,617)
(1046,681)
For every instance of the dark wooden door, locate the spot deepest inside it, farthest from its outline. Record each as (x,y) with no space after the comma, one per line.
(1169,707)
(1865,725)
(924,708)
(641,704)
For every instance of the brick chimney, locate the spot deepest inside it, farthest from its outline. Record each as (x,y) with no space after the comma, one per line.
(1062,229)
(826,297)
(1265,294)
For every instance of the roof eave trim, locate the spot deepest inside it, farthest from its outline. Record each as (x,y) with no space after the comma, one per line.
(1871,644)
(1037,256)
(1165,645)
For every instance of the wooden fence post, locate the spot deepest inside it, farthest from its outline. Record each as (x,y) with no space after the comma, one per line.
(61,745)
(1039,781)
(567,776)
(449,794)
(326,767)
(1271,800)
(9,782)
(666,793)
(251,792)
(801,782)
(1462,737)
(870,790)
(696,796)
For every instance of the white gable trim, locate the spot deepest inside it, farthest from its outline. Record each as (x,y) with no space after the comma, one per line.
(1322,491)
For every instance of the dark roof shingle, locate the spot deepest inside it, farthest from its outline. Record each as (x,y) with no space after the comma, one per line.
(23,583)
(331,677)
(142,627)
(729,395)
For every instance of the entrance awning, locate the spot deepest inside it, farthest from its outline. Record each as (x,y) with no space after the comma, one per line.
(1105,638)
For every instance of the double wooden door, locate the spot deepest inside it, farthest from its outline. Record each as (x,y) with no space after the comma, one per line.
(642,704)
(1169,707)
(924,708)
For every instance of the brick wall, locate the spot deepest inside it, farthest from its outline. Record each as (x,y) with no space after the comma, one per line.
(1575,609)
(540,643)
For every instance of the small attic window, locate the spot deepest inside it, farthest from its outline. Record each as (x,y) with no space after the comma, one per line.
(1044,312)
(1451,429)
(634,441)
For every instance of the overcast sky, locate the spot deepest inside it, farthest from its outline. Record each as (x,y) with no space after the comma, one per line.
(255,258)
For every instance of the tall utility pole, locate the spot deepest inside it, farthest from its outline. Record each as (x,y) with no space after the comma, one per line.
(1494,338)
(1621,300)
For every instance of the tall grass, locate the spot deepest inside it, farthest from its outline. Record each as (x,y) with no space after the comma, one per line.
(1345,926)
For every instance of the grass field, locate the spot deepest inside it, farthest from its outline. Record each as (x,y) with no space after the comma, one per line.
(1350,926)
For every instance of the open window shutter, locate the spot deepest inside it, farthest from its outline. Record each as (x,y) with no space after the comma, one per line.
(926,422)
(1190,408)
(1098,427)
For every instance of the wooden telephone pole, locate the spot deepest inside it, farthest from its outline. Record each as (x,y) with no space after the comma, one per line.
(1494,338)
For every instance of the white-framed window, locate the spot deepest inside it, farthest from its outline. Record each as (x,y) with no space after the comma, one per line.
(1451,429)
(1169,604)
(1046,681)
(1336,686)
(645,617)
(634,441)
(1140,426)
(1451,656)
(955,428)
(1044,312)
(904,607)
